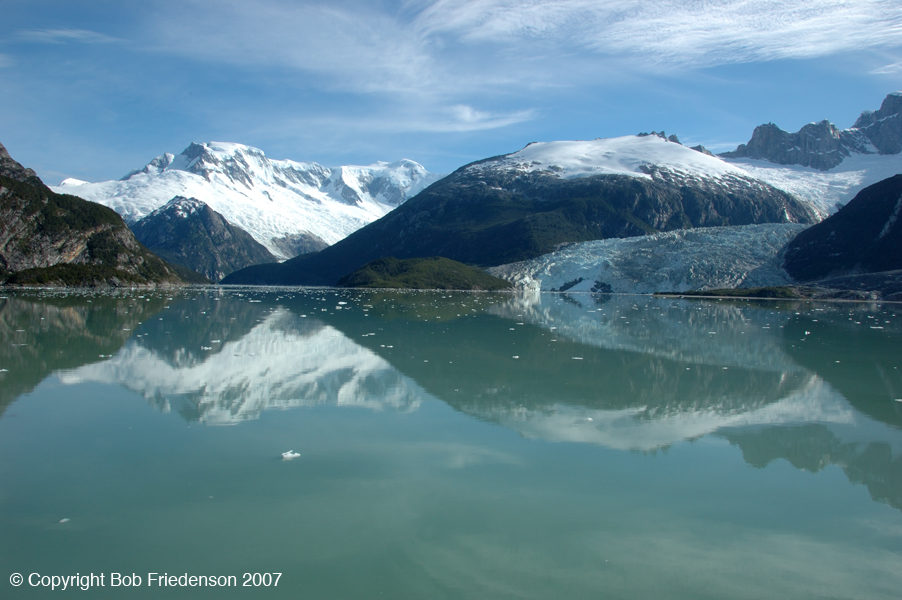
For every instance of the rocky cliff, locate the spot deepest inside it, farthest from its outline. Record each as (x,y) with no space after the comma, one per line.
(48,238)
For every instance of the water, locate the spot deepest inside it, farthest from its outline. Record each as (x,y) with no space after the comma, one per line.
(451,445)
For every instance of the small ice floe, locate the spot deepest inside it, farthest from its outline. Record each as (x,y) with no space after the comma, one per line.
(576,357)
(206,348)
(290,455)
(66,520)
(4,371)
(898,399)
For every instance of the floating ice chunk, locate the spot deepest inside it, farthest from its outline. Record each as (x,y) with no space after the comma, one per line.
(65,520)
(290,455)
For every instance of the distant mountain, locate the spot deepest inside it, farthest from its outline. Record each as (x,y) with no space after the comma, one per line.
(865,236)
(187,232)
(289,207)
(823,146)
(525,204)
(57,239)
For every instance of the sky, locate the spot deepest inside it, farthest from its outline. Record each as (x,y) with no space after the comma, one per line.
(94,89)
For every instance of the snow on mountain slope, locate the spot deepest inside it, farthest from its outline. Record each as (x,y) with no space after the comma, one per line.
(826,191)
(648,156)
(281,203)
(627,155)
(681,260)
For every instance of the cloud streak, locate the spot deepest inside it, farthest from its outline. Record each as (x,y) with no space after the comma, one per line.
(444,51)
(687,32)
(65,36)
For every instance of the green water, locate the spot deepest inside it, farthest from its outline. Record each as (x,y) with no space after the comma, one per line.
(451,445)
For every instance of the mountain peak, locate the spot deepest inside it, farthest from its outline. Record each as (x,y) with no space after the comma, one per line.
(180,207)
(822,145)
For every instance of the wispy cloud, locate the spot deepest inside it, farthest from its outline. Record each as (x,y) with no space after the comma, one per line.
(697,32)
(65,36)
(455,47)
(5,60)
(890,69)
(361,49)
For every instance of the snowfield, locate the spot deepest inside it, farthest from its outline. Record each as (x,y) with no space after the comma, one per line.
(627,155)
(637,156)
(273,200)
(825,191)
(675,261)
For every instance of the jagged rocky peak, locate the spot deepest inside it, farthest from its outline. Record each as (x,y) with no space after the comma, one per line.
(670,138)
(822,145)
(883,127)
(237,164)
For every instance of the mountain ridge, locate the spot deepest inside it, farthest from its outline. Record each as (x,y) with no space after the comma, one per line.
(823,146)
(58,239)
(289,207)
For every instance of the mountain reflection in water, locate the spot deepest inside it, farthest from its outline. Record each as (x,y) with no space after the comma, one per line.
(814,384)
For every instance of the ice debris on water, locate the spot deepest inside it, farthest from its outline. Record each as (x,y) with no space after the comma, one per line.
(290,455)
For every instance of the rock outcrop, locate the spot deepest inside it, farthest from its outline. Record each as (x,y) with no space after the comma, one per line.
(822,145)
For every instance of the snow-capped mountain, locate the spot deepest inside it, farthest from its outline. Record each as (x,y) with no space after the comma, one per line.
(648,157)
(287,206)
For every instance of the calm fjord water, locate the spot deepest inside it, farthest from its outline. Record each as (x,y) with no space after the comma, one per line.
(451,445)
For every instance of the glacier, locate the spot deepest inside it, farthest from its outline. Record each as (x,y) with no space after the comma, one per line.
(675,261)
(275,201)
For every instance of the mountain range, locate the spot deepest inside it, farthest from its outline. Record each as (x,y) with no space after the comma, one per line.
(288,207)
(822,145)
(522,205)
(227,211)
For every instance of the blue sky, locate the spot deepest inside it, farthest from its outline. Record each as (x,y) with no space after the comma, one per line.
(94,89)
